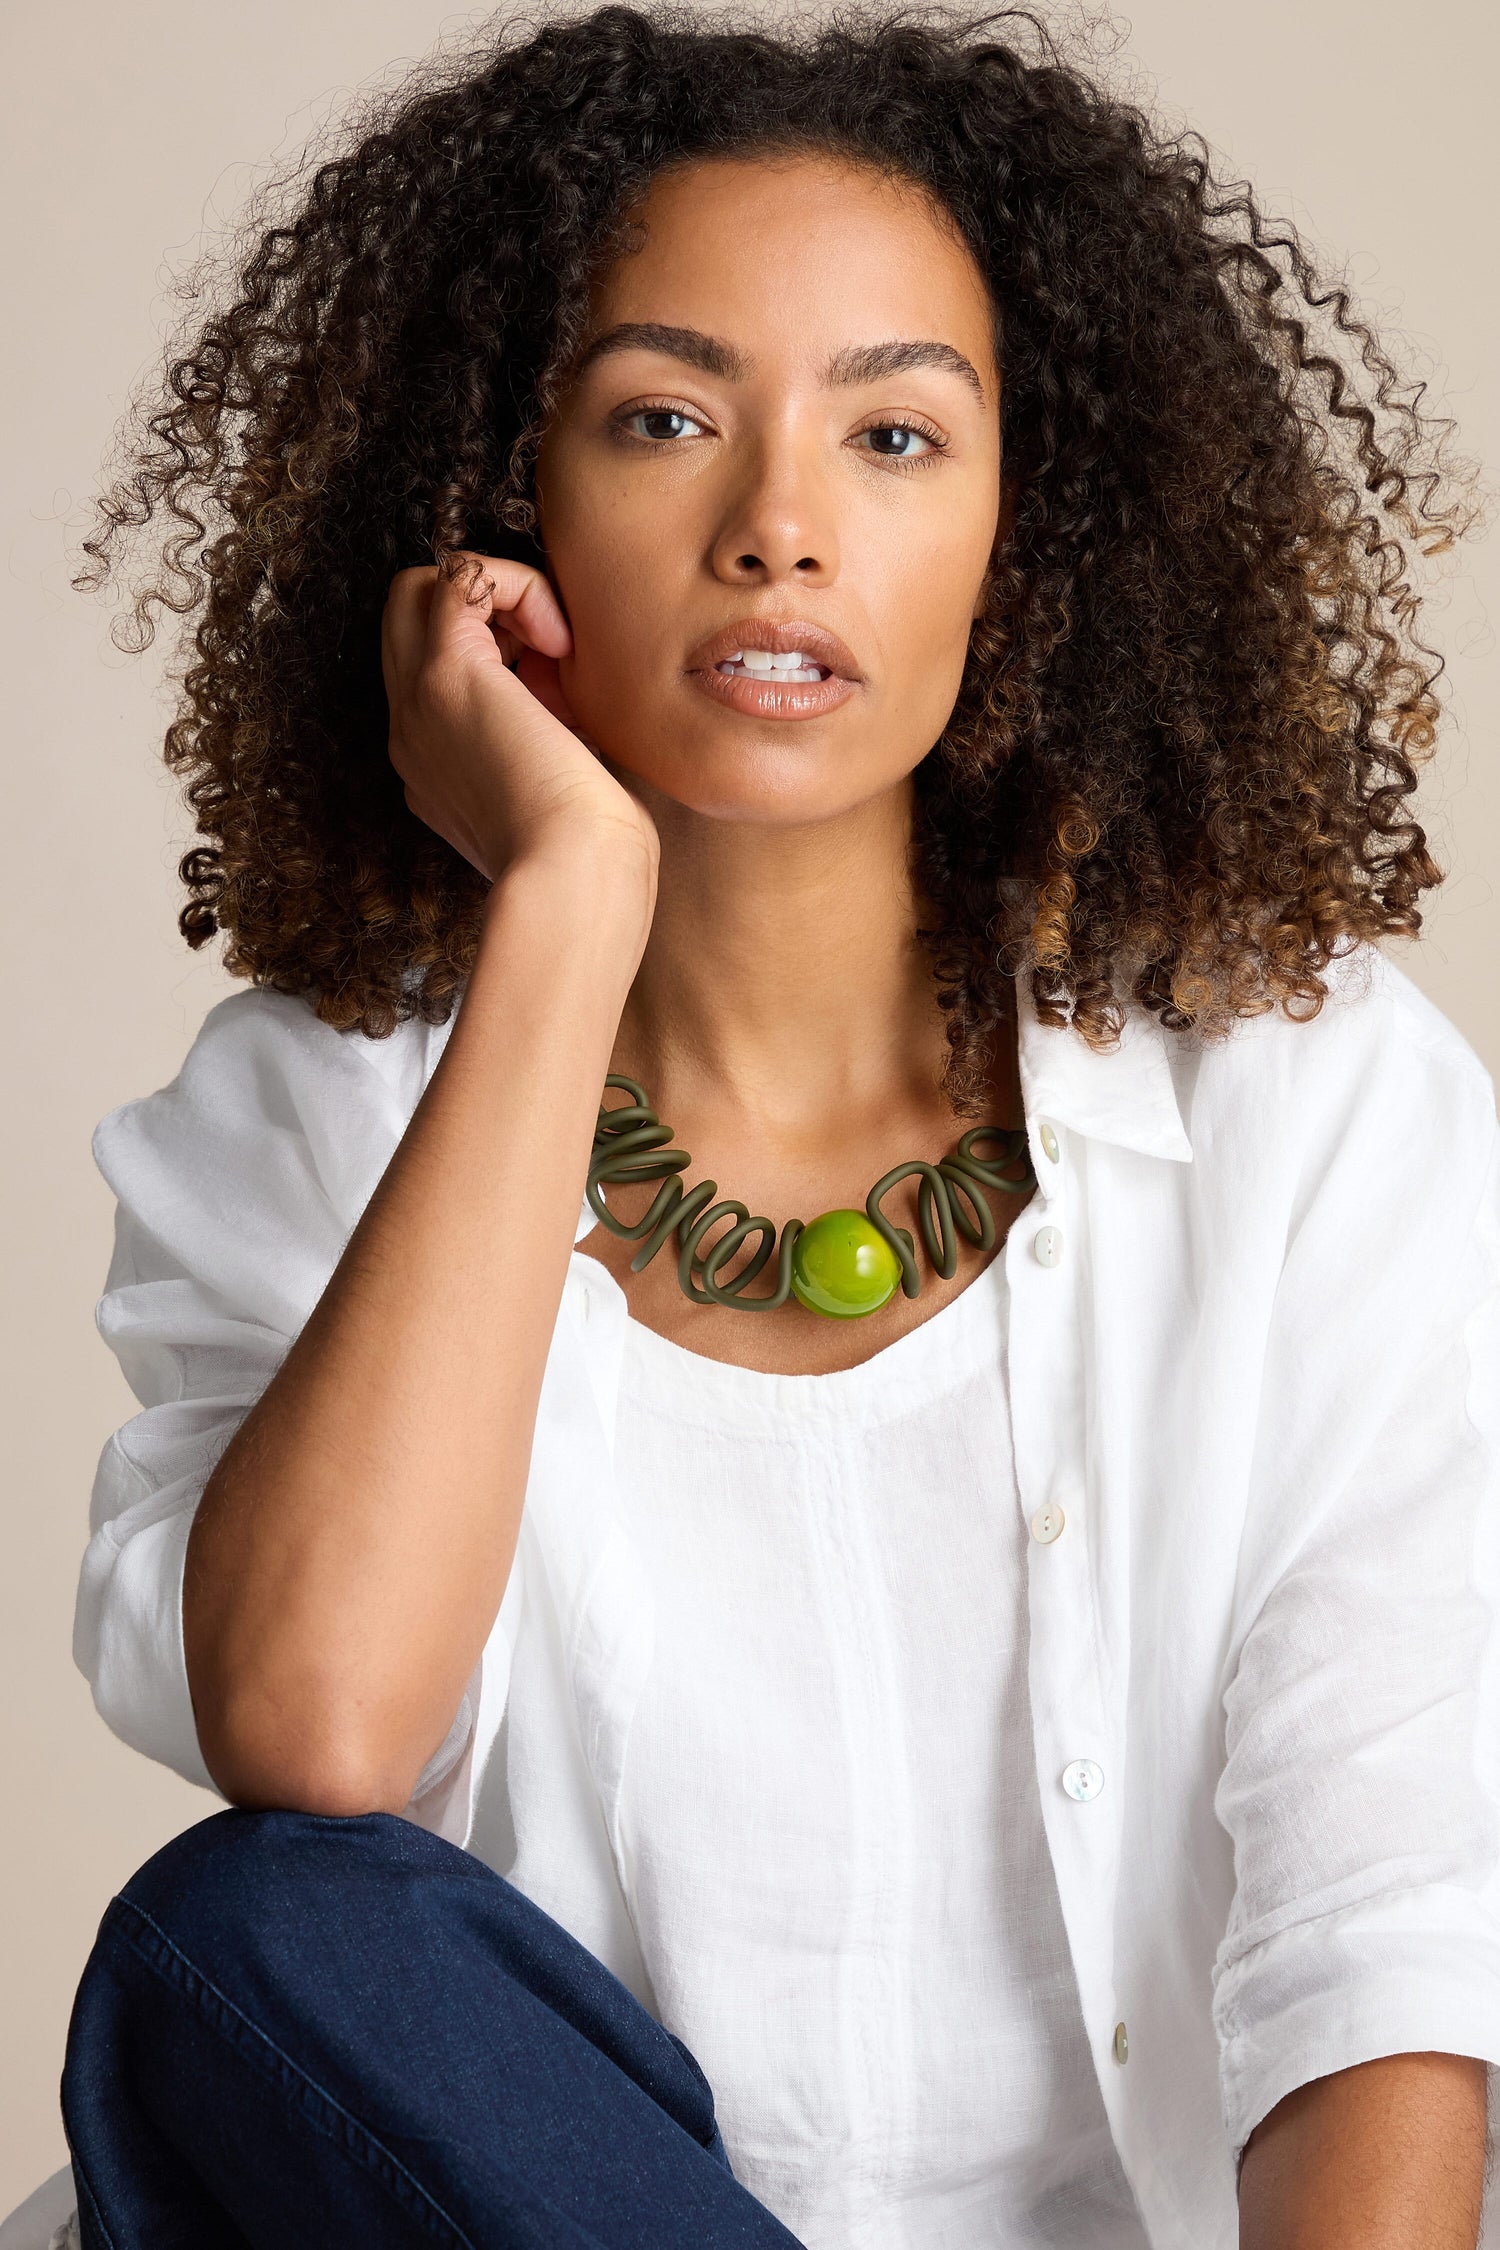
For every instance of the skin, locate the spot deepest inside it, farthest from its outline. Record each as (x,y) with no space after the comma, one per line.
(718,904)
(1386,2156)
(782,1019)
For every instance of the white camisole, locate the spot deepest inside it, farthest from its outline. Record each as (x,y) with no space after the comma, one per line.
(840,1875)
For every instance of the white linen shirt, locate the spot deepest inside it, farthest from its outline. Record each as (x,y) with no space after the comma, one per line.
(1254,1367)
(839,1877)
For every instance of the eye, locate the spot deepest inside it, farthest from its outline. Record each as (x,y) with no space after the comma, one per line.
(657,418)
(913,442)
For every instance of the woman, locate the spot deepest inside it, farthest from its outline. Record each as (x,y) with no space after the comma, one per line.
(833,591)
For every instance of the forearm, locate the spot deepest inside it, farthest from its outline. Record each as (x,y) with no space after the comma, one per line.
(1388,2155)
(351,1550)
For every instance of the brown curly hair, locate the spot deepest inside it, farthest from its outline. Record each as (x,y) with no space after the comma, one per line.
(1179,765)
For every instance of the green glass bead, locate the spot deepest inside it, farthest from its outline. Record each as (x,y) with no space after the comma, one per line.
(843,1266)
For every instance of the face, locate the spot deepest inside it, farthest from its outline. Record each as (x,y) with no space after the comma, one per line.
(782,441)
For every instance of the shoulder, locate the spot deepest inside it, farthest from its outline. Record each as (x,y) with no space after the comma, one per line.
(1348,1167)
(267,1088)
(1380,1066)
(1375,1009)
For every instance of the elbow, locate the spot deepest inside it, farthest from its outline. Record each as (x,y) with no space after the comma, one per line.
(314,1760)
(335,1792)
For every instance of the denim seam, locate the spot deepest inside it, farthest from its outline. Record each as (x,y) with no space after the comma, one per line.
(256,2048)
(86,2195)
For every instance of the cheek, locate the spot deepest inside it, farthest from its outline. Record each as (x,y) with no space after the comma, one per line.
(615,570)
(927,613)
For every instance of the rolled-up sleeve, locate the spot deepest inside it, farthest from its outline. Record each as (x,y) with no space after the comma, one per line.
(1361,1778)
(236,1189)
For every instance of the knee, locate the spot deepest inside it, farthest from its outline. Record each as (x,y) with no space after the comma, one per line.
(241,1871)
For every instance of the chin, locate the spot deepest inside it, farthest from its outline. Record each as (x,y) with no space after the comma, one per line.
(771,786)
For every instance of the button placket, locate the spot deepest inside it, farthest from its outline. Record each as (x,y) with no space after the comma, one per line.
(1069,1710)
(1047,1522)
(1044,1149)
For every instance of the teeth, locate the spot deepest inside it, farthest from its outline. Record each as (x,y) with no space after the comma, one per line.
(778,660)
(788,664)
(808,673)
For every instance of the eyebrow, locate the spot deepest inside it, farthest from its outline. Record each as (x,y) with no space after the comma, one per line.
(852,364)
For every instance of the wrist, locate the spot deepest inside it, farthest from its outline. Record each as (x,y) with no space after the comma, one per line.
(594,891)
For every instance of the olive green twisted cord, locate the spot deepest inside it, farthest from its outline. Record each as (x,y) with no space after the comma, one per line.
(938,1214)
(628,1145)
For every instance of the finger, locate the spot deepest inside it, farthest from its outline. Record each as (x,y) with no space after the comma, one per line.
(540,677)
(538,618)
(511,597)
(403,625)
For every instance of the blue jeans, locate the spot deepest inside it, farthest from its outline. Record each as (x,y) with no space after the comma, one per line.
(298,2030)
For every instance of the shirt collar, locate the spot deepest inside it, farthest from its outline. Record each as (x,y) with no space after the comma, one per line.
(1126,1096)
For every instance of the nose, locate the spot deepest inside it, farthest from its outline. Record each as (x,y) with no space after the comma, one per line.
(778,522)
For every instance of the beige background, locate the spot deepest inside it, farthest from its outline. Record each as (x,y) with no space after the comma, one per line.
(132,130)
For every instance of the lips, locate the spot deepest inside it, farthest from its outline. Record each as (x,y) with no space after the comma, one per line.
(778,638)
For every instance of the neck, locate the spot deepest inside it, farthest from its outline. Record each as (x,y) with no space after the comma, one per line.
(783,978)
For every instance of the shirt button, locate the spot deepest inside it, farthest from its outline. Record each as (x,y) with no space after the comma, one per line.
(1047,1523)
(1048,1139)
(1048,1245)
(1083,1779)
(588,1304)
(1122,2044)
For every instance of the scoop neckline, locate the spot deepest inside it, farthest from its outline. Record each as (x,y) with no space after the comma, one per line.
(961,1337)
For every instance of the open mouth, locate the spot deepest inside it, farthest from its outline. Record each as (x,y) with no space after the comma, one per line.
(773,670)
(776,668)
(804,691)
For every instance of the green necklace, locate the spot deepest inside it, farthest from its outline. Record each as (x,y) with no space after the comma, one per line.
(845,1264)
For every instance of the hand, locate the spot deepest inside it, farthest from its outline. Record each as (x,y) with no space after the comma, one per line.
(481,733)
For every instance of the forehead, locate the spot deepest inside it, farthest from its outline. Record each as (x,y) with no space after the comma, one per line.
(794,252)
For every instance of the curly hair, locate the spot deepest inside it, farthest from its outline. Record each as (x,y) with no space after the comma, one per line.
(1179,764)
